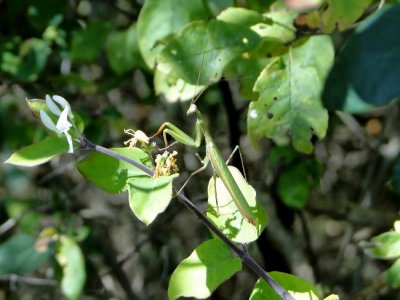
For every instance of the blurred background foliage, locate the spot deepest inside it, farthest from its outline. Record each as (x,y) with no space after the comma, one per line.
(345,193)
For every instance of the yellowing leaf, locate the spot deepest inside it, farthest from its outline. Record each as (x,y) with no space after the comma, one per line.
(342,13)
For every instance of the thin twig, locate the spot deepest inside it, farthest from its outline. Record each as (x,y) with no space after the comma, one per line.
(13,280)
(247,259)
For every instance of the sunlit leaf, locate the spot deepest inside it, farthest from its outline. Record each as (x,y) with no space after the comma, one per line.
(279,26)
(39,153)
(332,297)
(203,271)
(148,197)
(160,18)
(216,6)
(70,258)
(387,245)
(342,13)
(247,69)
(199,54)
(224,213)
(175,89)
(289,103)
(393,274)
(18,255)
(240,16)
(299,288)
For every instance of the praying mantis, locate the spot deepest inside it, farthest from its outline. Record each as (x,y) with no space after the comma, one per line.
(214,156)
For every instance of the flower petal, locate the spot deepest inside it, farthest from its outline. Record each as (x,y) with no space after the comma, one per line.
(63,125)
(47,121)
(64,103)
(71,145)
(52,106)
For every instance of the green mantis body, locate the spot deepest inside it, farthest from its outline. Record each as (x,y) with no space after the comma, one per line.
(214,156)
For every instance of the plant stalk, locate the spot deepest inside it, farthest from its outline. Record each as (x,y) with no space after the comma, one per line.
(247,259)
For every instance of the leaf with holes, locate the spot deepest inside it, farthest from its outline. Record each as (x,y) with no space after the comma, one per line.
(289,105)
(199,54)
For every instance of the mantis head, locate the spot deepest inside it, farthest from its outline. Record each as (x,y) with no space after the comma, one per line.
(192,109)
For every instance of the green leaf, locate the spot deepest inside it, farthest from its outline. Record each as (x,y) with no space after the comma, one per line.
(289,100)
(216,6)
(247,69)
(205,49)
(175,89)
(332,297)
(148,197)
(29,63)
(160,18)
(299,288)
(340,14)
(296,182)
(42,13)
(18,255)
(393,274)
(281,155)
(387,245)
(203,271)
(111,174)
(369,64)
(39,153)
(87,43)
(281,29)
(70,258)
(123,50)
(240,16)
(224,213)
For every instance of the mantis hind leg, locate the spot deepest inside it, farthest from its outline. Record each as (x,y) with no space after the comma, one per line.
(205,162)
(237,149)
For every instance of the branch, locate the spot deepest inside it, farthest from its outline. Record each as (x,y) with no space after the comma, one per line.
(247,259)
(13,280)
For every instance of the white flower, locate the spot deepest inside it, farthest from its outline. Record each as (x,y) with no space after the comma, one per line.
(63,124)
